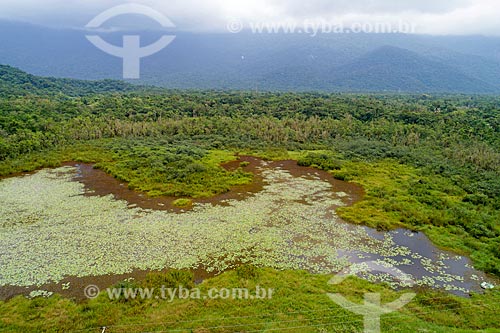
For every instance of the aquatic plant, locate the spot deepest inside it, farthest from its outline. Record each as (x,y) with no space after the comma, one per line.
(50,230)
(40,293)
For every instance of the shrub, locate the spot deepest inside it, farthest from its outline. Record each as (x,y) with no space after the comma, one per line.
(321,161)
(182,202)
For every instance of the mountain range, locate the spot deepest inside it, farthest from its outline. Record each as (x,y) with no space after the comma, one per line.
(282,62)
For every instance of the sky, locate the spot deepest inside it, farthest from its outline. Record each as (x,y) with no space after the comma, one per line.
(442,17)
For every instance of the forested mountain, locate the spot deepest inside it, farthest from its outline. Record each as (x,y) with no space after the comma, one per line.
(395,69)
(297,62)
(16,82)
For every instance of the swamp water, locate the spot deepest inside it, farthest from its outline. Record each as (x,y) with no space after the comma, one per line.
(78,226)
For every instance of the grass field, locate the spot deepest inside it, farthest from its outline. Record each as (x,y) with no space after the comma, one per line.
(299,303)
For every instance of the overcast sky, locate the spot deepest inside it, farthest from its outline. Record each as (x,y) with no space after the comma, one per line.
(429,16)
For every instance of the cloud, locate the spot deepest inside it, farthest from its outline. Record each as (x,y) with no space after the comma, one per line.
(480,18)
(430,16)
(340,7)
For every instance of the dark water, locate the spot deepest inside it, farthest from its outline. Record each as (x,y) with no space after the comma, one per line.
(440,261)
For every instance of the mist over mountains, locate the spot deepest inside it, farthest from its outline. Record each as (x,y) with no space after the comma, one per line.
(292,62)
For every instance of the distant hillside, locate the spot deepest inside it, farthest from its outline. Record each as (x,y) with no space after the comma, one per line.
(16,82)
(246,61)
(394,69)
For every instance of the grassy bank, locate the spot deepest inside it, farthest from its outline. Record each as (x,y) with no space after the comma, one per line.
(402,196)
(155,167)
(299,303)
